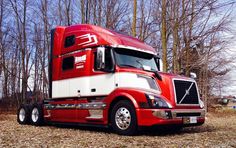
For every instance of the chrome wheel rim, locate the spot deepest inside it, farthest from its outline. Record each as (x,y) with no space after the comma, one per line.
(22,115)
(35,115)
(123,118)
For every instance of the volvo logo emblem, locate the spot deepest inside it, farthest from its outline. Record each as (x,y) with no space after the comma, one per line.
(187,92)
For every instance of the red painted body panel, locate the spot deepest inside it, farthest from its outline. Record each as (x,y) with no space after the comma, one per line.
(103,36)
(58,40)
(77,72)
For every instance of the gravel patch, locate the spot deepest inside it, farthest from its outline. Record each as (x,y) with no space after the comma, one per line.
(218,131)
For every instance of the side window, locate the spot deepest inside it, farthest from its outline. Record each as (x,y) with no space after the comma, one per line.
(95,61)
(68,63)
(69,41)
(108,60)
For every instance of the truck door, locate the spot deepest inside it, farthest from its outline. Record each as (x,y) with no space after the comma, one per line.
(102,81)
(101,84)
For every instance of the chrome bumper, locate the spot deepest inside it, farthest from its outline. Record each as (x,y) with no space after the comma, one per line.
(179,113)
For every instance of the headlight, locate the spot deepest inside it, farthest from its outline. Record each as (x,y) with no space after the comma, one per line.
(151,83)
(157,102)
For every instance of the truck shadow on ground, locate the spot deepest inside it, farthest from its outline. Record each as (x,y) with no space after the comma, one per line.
(164,131)
(147,131)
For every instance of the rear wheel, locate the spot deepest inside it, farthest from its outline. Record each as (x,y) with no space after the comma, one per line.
(36,116)
(123,118)
(23,114)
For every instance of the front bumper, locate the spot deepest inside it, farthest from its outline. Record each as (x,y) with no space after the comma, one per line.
(150,117)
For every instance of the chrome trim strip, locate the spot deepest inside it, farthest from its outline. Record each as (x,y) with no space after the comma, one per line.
(162,113)
(174,113)
(93,105)
(95,114)
(73,52)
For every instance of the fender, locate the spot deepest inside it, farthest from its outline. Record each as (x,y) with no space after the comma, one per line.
(132,94)
(136,96)
(127,96)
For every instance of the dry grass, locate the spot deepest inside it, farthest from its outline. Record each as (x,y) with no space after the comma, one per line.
(218,131)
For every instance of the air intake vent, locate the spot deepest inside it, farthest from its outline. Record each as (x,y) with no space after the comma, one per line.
(186,92)
(188,114)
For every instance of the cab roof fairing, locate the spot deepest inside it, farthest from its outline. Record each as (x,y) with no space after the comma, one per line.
(111,38)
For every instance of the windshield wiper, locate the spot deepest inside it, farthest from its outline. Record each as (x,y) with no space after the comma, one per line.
(150,70)
(157,75)
(140,63)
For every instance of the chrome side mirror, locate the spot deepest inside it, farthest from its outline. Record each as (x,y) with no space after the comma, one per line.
(193,75)
(100,58)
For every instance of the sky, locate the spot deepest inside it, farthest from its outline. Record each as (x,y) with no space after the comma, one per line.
(231,89)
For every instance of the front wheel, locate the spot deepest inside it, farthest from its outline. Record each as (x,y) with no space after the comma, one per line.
(123,118)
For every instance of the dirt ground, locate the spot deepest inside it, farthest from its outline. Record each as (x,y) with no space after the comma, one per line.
(218,131)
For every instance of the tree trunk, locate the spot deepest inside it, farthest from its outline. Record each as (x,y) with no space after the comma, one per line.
(99,12)
(189,39)
(134,18)
(163,36)
(82,11)
(175,19)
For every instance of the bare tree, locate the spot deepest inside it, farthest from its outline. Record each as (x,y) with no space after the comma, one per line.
(22,41)
(164,34)
(134,18)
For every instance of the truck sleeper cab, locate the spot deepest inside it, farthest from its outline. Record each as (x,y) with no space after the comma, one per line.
(100,77)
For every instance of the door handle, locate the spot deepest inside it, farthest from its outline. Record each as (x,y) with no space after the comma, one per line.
(93,90)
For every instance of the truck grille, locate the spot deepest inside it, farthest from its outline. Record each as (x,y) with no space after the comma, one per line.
(186,92)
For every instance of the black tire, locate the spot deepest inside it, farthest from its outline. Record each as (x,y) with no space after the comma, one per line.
(36,115)
(23,114)
(126,126)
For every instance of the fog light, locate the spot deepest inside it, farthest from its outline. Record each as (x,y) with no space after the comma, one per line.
(162,114)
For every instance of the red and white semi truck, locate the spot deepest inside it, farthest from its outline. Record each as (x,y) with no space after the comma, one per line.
(102,78)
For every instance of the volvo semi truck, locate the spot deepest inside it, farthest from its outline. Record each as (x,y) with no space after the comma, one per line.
(98,77)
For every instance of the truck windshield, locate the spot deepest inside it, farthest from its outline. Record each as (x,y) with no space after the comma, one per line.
(135,59)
